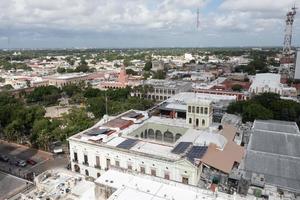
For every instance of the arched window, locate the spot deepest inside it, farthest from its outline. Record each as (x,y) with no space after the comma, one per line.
(177,136)
(158,135)
(142,135)
(76,168)
(86,172)
(151,134)
(168,136)
(197,122)
(146,134)
(203,122)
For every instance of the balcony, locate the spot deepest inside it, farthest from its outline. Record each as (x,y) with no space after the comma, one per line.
(97,166)
(85,163)
(74,160)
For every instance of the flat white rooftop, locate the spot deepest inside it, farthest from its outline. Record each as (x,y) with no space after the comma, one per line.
(185,97)
(137,187)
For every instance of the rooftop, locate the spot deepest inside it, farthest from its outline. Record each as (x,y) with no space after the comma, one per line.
(119,133)
(61,184)
(67,76)
(266,79)
(274,153)
(133,187)
(167,83)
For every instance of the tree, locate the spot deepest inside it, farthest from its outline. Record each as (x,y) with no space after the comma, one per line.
(256,111)
(266,106)
(76,121)
(148,66)
(61,70)
(71,90)
(13,131)
(7,87)
(126,62)
(96,105)
(237,88)
(46,95)
(131,71)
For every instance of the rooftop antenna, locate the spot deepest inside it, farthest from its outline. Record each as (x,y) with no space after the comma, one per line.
(287,45)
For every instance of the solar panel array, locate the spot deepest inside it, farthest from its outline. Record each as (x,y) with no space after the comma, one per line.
(196,152)
(181,147)
(127,144)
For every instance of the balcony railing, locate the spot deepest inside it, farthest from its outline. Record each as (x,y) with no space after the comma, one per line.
(75,160)
(85,163)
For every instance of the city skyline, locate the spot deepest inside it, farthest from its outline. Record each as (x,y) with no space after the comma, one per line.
(139,23)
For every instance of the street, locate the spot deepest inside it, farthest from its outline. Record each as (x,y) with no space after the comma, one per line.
(13,178)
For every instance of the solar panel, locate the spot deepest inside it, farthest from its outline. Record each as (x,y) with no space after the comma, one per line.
(96,132)
(127,144)
(181,147)
(196,152)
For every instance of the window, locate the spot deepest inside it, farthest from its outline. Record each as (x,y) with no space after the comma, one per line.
(201,110)
(167,176)
(153,172)
(76,168)
(87,172)
(206,111)
(98,174)
(86,161)
(197,122)
(177,136)
(168,137)
(185,180)
(97,161)
(203,122)
(143,171)
(189,109)
(193,109)
(151,134)
(107,163)
(75,157)
(117,163)
(197,110)
(158,135)
(190,120)
(129,166)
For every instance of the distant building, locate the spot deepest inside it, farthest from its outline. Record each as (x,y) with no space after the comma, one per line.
(60,80)
(157,65)
(161,90)
(122,81)
(297,68)
(268,82)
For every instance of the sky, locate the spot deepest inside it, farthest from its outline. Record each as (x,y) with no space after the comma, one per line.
(144,23)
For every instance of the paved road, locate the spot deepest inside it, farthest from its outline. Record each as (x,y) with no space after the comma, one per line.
(10,184)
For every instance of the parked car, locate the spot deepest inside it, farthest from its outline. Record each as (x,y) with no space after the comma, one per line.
(31,162)
(21,163)
(4,158)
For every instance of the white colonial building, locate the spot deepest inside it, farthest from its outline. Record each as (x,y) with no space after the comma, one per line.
(268,82)
(163,147)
